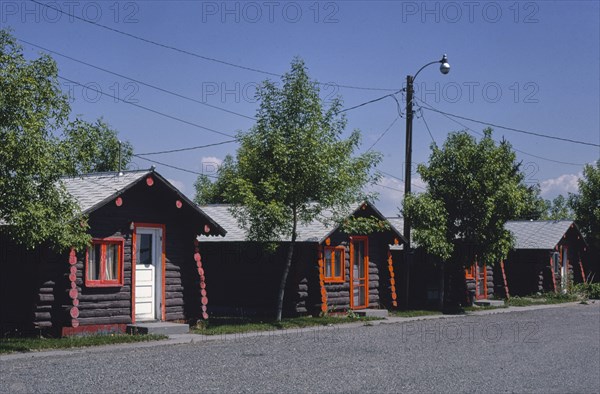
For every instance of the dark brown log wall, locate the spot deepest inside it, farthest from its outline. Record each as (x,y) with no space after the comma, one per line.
(32,287)
(242,278)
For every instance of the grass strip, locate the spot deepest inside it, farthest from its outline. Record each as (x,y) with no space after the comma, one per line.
(414,313)
(12,345)
(234,325)
(545,299)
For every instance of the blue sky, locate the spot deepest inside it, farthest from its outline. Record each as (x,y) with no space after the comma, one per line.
(527,65)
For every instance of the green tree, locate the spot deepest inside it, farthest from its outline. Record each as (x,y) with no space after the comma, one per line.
(293,164)
(32,109)
(558,209)
(535,207)
(586,204)
(34,205)
(473,188)
(93,147)
(209,192)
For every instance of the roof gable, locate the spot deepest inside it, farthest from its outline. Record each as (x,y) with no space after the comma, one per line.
(93,191)
(315,231)
(538,234)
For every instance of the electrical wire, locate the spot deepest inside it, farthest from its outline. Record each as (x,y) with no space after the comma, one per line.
(173,167)
(426,125)
(189,53)
(384,133)
(149,109)
(139,82)
(186,149)
(401,179)
(513,129)
(398,107)
(374,101)
(465,127)
(389,187)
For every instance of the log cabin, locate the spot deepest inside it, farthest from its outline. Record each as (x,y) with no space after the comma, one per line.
(548,256)
(143,263)
(431,284)
(331,271)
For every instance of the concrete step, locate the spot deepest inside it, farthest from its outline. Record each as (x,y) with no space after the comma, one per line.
(164,328)
(489,303)
(382,313)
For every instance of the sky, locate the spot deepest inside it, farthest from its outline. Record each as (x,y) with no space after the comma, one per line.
(178,74)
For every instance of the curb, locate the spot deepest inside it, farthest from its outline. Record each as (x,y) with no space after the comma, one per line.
(182,339)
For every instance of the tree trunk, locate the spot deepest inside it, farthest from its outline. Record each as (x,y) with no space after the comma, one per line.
(286,269)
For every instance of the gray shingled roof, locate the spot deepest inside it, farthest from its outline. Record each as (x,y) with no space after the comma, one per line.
(315,231)
(397,224)
(538,234)
(91,191)
(312,232)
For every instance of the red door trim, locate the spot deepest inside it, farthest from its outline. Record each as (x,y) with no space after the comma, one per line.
(365,261)
(163,267)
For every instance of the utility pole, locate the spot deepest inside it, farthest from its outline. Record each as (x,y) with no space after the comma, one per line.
(408,253)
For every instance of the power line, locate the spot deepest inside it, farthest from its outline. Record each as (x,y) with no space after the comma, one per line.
(373,101)
(513,129)
(148,109)
(426,125)
(402,180)
(189,53)
(384,133)
(465,127)
(389,187)
(139,82)
(186,149)
(173,167)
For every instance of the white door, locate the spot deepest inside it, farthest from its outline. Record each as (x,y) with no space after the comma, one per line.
(564,273)
(147,273)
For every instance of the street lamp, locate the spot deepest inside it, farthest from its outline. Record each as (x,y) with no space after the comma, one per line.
(444,69)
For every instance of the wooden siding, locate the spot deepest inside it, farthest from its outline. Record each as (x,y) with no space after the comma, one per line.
(32,288)
(242,278)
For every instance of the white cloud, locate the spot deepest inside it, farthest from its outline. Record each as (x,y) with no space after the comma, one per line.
(178,184)
(563,184)
(210,165)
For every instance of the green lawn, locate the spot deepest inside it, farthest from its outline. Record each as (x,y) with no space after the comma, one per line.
(414,313)
(11,345)
(232,325)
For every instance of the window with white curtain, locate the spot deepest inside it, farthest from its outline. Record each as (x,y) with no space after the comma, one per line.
(104,263)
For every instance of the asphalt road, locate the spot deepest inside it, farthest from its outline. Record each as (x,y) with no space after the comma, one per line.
(547,351)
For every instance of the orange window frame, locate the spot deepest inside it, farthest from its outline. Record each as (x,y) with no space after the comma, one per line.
(481,275)
(333,278)
(103,282)
(470,272)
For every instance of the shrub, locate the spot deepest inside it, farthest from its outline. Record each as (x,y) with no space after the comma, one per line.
(589,290)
